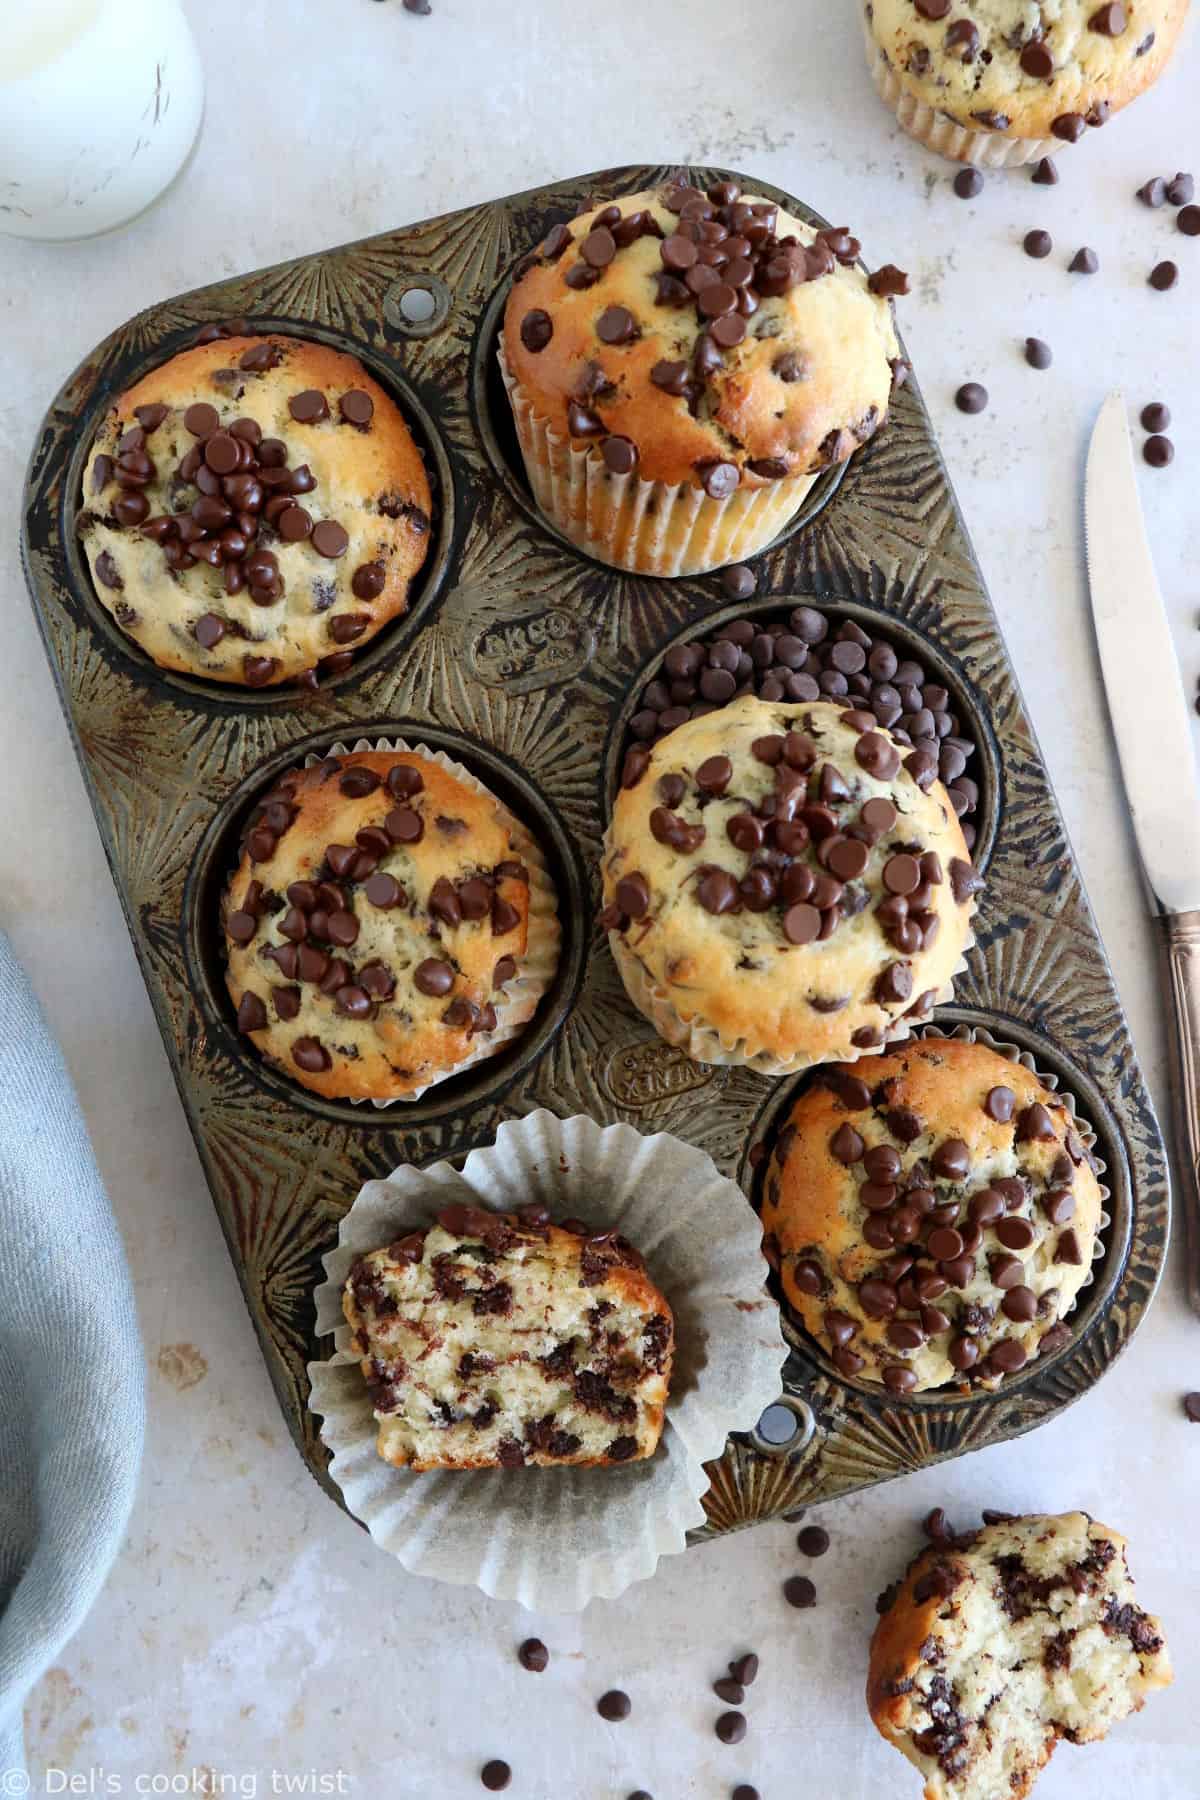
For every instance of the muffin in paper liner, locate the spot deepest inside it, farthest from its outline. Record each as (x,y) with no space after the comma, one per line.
(554,1539)
(744,1034)
(959,143)
(649,527)
(794,1324)
(540,963)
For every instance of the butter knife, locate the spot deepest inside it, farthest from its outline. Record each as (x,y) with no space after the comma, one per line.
(1152,726)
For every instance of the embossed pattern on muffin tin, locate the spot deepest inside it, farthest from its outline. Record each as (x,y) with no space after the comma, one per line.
(521,656)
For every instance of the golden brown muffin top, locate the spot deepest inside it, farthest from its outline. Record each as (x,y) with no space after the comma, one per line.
(1027,71)
(711,339)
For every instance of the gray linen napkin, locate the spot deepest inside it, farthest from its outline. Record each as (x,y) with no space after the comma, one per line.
(71,1387)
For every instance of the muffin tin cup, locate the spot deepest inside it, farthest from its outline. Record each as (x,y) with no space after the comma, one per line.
(520,659)
(556,1538)
(652,528)
(536,973)
(1109,1247)
(958,143)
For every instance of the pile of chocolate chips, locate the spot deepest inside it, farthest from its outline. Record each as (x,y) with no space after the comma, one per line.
(811,658)
(321,925)
(722,259)
(246,498)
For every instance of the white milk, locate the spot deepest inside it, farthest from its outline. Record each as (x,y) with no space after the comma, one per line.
(100,103)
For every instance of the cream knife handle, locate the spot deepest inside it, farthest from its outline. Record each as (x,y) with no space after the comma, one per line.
(1183,965)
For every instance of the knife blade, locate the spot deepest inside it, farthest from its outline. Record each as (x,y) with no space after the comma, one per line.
(1153,729)
(1146,700)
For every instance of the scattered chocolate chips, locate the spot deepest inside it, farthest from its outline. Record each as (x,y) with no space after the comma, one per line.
(1038,243)
(731,1727)
(1191,1407)
(1163,276)
(813,1540)
(495,1775)
(1188,221)
(798,1590)
(1156,416)
(1084,262)
(971,397)
(967,183)
(1037,353)
(614,1706)
(1158,451)
(1045,174)
(533,1655)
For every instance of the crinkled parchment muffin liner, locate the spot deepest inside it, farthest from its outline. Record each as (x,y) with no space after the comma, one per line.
(650,527)
(960,143)
(978,1034)
(550,1538)
(544,934)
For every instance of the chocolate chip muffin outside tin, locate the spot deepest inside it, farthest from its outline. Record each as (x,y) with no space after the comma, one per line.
(1053,84)
(1106,1252)
(202,541)
(555,1538)
(524,990)
(170,779)
(670,491)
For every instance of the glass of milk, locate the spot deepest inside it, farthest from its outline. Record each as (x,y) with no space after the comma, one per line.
(100,105)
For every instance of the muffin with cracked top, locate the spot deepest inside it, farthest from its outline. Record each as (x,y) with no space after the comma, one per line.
(999,1643)
(389,924)
(1003,82)
(932,1213)
(255,510)
(785,884)
(682,365)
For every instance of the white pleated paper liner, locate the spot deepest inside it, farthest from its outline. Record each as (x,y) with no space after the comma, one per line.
(553,1539)
(536,969)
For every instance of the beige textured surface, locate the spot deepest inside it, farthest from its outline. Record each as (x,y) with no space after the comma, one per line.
(813,1206)
(1032,1633)
(735,974)
(560,1368)
(359,472)
(992,90)
(406,1043)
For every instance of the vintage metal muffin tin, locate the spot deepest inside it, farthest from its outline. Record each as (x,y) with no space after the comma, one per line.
(523,658)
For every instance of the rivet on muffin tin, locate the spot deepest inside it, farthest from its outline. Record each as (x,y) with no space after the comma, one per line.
(417,304)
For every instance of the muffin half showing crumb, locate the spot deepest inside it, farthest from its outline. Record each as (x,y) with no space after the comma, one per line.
(495,1340)
(999,1643)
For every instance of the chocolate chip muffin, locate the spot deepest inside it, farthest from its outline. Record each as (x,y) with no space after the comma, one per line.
(493,1340)
(682,365)
(389,924)
(785,885)
(1003,82)
(932,1213)
(254,510)
(999,1643)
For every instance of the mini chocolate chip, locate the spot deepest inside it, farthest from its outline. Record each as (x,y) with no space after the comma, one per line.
(731,1727)
(1164,275)
(614,1705)
(799,1591)
(533,1655)
(972,397)
(1038,354)
(494,1775)
(1038,243)
(1158,451)
(1084,262)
